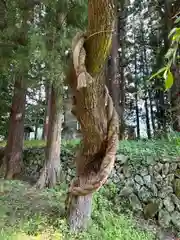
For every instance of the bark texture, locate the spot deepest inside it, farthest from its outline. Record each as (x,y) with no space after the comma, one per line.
(13,152)
(47,111)
(51,171)
(94,110)
(175,99)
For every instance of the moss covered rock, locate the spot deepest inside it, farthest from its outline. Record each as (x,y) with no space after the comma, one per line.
(177,187)
(177,173)
(151,209)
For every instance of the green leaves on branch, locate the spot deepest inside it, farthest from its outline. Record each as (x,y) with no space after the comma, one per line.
(171,57)
(169,79)
(167,75)
(158,73)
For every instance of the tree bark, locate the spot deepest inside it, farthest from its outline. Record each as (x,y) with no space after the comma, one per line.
(152,112)
(14,147)
(93,114)
(175,99)
(36,129)
(122,35)
(145,73)
(47,111)
(136,98)
(113,68)
(51,171)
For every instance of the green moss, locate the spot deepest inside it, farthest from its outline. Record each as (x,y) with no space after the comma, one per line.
(177,173)
(151,209)
(177,187)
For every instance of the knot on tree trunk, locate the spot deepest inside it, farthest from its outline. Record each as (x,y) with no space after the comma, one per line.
(94,167)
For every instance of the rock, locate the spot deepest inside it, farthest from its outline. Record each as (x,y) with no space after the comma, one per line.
(122,158)
(151,170)
(149,160)
(172,167)
(139,180)
(126,191)
(177,173)
(165,169)
(144,194)
(169,205)
(164,218)
(135,203)
(165,160)
(176,201)
(170,178)
(130,182)
(150,210)
(127,171)
(154,190)
(116,178)
(144,172)
(176,219)
(176,184)
(158,178)
(137,187)
(162,235)
(121,177)
(158,167)
(147,180)
(165,191)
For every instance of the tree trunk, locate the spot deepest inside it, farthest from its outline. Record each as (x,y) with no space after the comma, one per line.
(145,73)
(51,171)
(94,110)
(122,63)
(113,69)
(175,100)
(152,112)
(147,119)
(47,111)
(14,147)
(136,99)
(36,129)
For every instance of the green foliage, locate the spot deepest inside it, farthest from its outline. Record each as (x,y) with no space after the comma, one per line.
(5,103)
(171,57)
(169,79)
(144,152)
(29,214)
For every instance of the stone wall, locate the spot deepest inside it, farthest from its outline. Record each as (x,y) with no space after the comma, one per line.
(150,186)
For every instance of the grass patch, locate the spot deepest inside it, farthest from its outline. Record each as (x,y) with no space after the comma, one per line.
(28,143)
(30,214)
(145,151)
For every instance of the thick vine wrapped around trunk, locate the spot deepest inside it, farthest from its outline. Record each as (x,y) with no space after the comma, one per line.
(94,109)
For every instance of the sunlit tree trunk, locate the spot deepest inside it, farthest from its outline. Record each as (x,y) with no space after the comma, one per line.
(50,173)
(113,67)
(94,110)
(136,98)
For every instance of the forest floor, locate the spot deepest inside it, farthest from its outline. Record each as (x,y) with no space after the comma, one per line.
(28,214)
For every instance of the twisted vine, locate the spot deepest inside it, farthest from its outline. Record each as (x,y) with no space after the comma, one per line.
(84,79)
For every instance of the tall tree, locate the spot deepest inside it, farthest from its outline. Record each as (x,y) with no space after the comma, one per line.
(94,110)
(13,152)
(51,171)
